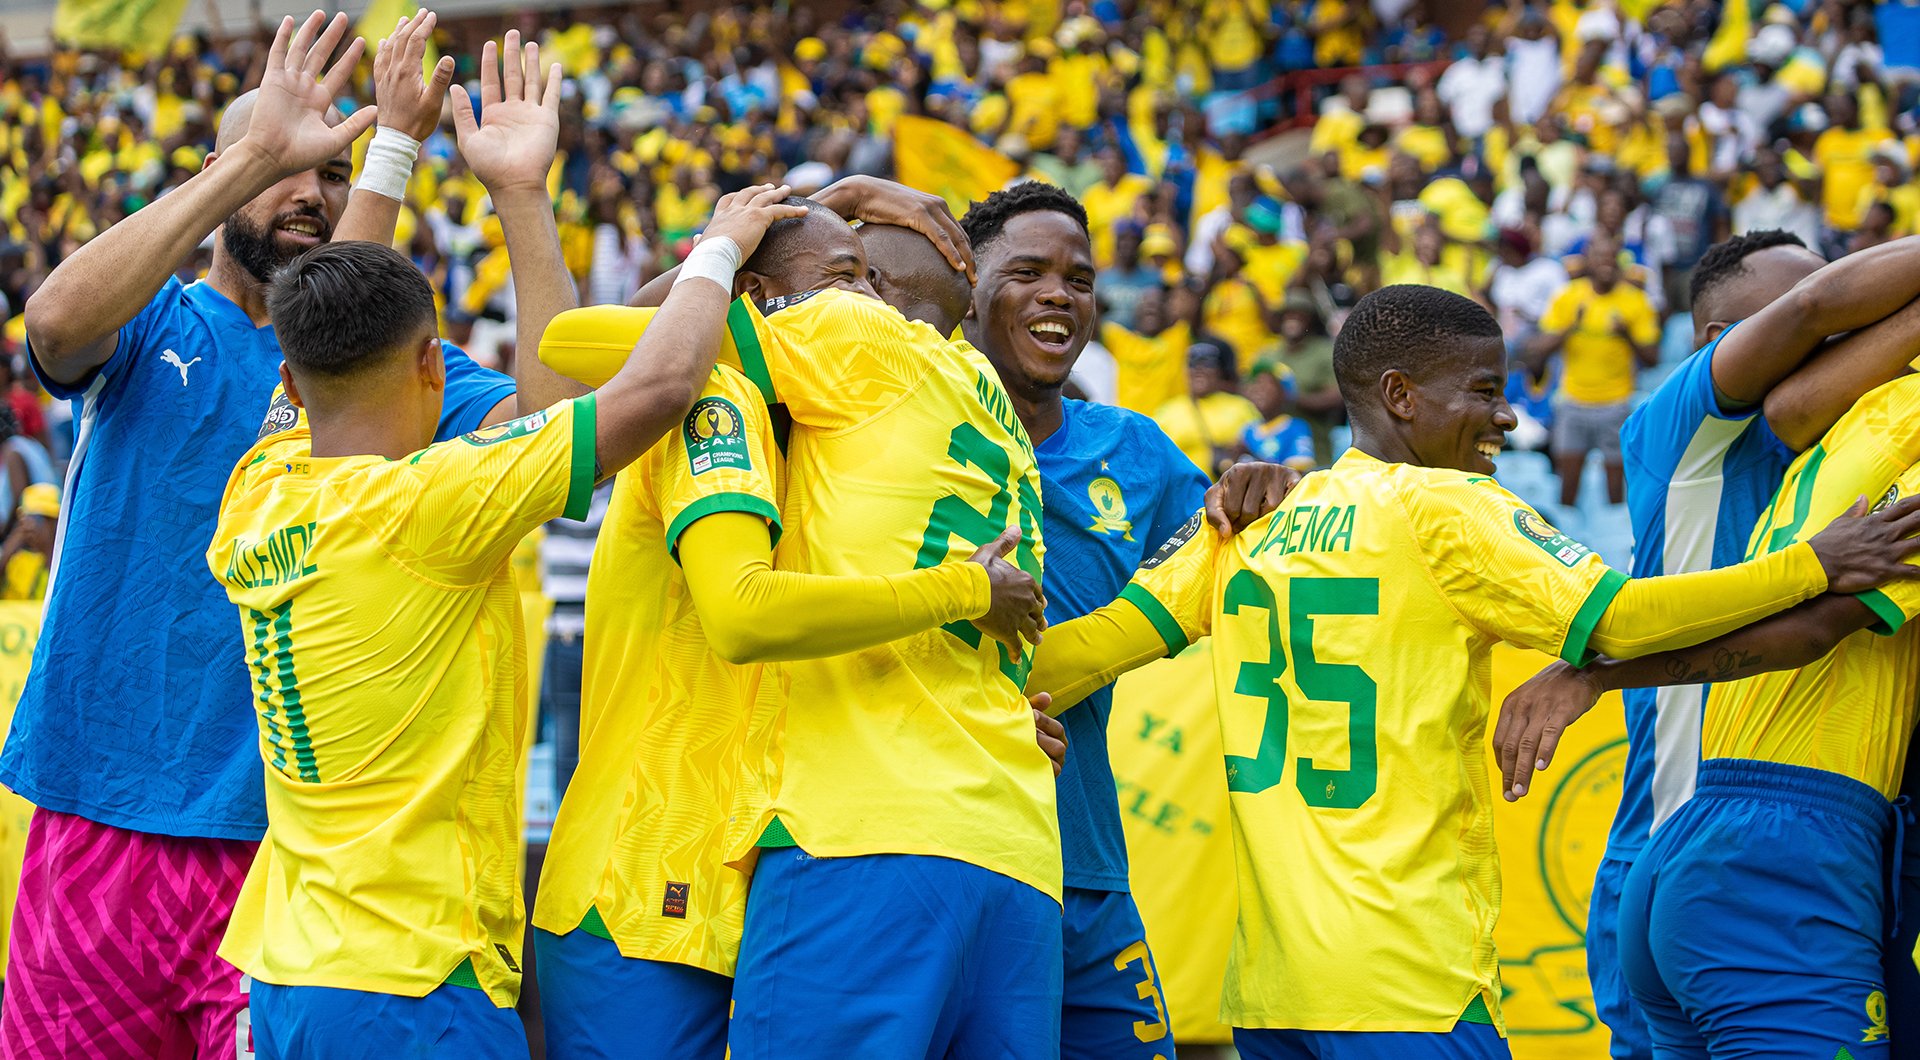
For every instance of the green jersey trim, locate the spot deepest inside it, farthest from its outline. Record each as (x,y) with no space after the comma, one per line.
(753,359)
(585,452)
(714,503)
(1888,614)
(1477,1011)
(593,925)
(776,835)
(1575,650)
(463,975)
(1163,623)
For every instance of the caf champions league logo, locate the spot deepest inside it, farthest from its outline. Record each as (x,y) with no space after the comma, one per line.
(715,436)
(1109,509)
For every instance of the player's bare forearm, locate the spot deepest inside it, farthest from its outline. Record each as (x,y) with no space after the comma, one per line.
(75,315)
(1810,401)
(1851,293)
(542,290)
(369,216)
(1786,641)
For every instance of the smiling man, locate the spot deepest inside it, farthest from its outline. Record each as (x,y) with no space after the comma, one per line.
(1353,633)
(1113,486)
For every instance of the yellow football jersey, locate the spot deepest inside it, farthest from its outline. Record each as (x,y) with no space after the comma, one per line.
(384,636)
(905,454)
(1852,711)
(1152,368)
(1353,631)
(672,737)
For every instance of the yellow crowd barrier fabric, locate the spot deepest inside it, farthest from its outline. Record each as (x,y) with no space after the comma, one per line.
(144,25)
(19,630)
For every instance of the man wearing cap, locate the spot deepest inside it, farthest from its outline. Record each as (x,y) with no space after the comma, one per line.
(1207,424)
(24,556)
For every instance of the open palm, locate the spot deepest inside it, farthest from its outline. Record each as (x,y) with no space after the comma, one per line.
(513,140)
(289,122)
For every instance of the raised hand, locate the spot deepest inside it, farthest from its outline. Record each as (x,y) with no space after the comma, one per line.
(512,142)
(745,215)
(864,198)
(409,99)
(289,125)
(1017,613)
(1862,551)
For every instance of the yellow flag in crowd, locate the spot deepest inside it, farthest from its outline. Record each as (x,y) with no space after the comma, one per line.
(377,23)
(19,630)
(1166,751)
(943,160)
(1729,44)
(143,25)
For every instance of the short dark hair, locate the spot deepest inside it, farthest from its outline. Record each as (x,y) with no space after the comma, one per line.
(783,240)
(338,308)
(985,219)
(1407,326)
(1725,261)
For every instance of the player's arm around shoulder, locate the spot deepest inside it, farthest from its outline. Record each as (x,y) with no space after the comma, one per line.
(1167,606)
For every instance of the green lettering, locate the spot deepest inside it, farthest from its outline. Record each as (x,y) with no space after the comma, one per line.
(1343,536)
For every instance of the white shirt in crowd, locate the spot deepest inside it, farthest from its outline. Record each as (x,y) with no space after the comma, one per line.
(1470,88)
(1533,76)
(1522,293)
(1784,208)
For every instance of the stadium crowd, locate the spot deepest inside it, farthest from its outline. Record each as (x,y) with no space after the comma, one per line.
(1567,166)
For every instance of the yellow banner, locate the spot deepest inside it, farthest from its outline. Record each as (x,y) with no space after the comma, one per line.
(143,25)
(943,160)
(1173,804)
(19,630)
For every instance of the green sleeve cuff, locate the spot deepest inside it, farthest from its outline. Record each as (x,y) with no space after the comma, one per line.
(1888,616)
(586,458)
(1575,651)
(1156,612)
(714,503)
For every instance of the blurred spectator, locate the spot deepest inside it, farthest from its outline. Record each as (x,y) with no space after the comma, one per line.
(28,551)
(1306,353)
(1279,437)
(1150,355)
(1696,212)
(1777,201)
(1605,328)
(1128,278)
(1208,421)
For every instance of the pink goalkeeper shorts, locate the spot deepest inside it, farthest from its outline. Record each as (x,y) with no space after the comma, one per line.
(114,940)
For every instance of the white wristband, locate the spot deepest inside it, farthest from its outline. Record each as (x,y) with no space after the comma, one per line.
(715,258)
(389,163)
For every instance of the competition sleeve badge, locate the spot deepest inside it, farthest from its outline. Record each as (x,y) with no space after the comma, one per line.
(1551,541)
(715,436)
(1109,508)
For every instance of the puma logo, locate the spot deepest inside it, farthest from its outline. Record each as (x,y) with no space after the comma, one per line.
(173,358)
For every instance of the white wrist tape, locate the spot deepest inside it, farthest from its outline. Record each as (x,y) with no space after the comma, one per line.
(389,163)
(715,258)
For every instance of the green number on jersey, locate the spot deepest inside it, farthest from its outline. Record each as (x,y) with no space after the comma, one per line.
(1343,789)
(1260,680)
(953,517)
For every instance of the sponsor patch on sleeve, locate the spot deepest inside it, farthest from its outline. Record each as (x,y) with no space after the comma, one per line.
(715,436)
(1551,541)
(1180,537)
